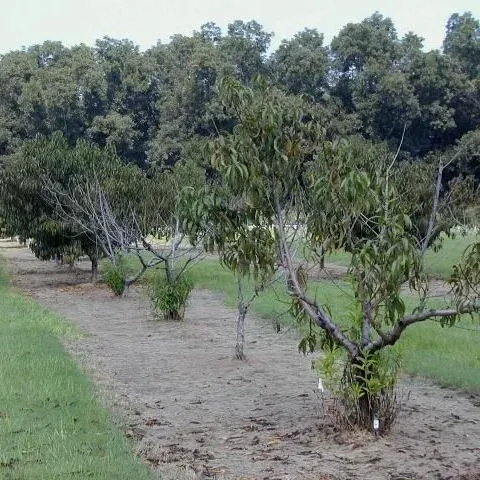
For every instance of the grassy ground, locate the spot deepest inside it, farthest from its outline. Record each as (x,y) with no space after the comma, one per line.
(438,264)
(448,355)
(51,427)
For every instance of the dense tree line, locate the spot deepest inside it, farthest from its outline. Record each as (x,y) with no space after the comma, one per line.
(156,106)
(156,110)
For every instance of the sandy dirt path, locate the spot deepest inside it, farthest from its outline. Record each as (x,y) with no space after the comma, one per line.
(194,412)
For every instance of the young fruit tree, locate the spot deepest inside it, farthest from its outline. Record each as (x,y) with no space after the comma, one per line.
(218,216)
(26,210)
(101,199)
(125,213)
(339,194)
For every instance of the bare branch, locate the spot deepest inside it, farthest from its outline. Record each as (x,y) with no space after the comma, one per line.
(387,173)
(436,201)
(392,337)
(397,153)
(85,206)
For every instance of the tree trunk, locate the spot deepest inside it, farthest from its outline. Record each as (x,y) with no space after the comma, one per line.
(322,259)
(364,405)
(126,287)
(373,410)
(71,263)
(169,270)
(322,262)
(94,261)
(239,346)
(58,259)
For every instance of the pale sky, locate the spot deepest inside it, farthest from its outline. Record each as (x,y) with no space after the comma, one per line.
(27,22)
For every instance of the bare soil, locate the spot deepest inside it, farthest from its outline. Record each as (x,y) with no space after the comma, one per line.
(194,412)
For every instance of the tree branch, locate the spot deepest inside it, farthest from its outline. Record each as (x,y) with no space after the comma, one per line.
(433,213)
(311,308)
(391,337)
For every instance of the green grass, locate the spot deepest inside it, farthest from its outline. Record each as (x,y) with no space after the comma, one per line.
(448,355)
(51,426)
(437,264)
(339,257)
(272,303)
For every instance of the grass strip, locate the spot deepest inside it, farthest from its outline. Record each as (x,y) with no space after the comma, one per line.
(438,264)
(51,426)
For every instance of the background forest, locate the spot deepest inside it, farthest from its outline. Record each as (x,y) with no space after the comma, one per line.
(157,107)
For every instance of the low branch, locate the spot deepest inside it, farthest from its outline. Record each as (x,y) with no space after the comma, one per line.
(193,257)
(391,337)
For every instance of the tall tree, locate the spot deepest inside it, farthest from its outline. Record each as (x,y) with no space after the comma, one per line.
(188,69)
(438,86)
(16,69)
(372,40)
(300,65)
(369,80)
(245,47)
(130,98)
(462,42)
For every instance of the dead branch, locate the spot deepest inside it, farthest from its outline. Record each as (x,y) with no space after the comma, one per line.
(85,206)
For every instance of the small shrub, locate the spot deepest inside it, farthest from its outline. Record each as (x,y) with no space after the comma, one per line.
(169,299)
(115,276)
(357,394)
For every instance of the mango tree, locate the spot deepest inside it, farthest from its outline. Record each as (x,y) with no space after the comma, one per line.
(26,211)
(292,178)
